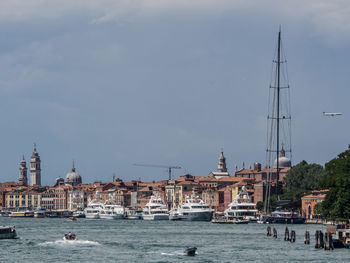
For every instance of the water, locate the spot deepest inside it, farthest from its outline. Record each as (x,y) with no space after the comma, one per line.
(41,240)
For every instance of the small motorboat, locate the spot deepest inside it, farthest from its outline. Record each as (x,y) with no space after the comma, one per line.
(7,232)
(190,251)
(73,218)
(70,236)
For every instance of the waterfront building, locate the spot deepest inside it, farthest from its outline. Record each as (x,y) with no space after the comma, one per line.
(24,197)
(48,199)
(35,169)
(308,203)
(60,199)
(73,178)
(79,197)
(221,171)
(23,172)
(260,174)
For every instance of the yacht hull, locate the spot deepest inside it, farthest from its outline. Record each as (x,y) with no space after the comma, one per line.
(281,220)
(197,216)
(156,217)
(92,216)
(115,216)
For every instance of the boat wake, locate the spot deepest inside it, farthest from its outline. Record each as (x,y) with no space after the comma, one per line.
(64,243)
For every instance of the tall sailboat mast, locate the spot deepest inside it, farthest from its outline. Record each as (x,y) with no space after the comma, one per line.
(279,123)
(278,108)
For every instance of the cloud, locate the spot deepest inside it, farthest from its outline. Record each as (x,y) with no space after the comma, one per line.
(328,18)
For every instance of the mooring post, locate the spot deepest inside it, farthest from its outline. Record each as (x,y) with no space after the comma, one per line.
(274,233)
(292,236)
(307,238)
(317,239)
(286,234)
(321,239)
(268,231)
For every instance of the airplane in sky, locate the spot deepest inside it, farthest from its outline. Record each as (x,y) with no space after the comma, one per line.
(332,114)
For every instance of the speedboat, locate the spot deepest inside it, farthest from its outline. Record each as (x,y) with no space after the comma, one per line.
(242,208)
(69,236)
(193,209)
(155,209)
(190,251)
(7,232)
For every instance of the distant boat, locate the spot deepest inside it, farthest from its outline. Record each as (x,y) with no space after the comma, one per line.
(7,232)
(242,209)
(69,236)
(40,213)
(155,209)
(26,213)
(193,209)
(283,217)
(133,214)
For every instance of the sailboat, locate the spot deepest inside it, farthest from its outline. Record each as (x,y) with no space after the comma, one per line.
(279,139)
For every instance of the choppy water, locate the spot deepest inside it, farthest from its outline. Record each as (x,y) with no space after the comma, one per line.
(41,240)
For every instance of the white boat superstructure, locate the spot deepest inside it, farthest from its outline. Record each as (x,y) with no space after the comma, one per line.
(242,207)
(155,209)
(111,211)
(92,211)
(193,209)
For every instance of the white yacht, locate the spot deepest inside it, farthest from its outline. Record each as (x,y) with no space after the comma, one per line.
(92,211)
(111,211)
(242,208)
(155,209)
(193,209)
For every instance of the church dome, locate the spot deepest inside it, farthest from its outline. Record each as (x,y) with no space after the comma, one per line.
(73,178)
(283,161)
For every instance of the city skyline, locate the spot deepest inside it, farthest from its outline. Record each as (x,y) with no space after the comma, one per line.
(113,84)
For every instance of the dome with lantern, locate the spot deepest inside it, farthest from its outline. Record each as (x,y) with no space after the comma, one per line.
(73,178)
(283,161)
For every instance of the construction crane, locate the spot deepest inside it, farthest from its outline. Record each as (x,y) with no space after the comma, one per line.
(160,166)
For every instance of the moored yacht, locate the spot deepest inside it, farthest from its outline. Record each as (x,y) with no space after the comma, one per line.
(92,211)
(155,209)
(111,211)
(242,208)
(283,217)
(193,209)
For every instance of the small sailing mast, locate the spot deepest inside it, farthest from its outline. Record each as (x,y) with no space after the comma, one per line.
(279,121)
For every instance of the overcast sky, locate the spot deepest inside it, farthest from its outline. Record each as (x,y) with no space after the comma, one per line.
(113,83)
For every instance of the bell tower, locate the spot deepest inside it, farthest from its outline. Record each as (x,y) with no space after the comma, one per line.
(222,163)
(23,172)
(35,170)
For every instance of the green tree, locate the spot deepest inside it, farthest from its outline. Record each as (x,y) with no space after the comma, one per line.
(336,205)
(304,176)
(260,205)
(300,180)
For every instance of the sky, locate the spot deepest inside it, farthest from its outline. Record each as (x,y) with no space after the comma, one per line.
(114,83)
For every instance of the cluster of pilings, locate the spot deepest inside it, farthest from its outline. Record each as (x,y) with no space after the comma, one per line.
(322,240)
